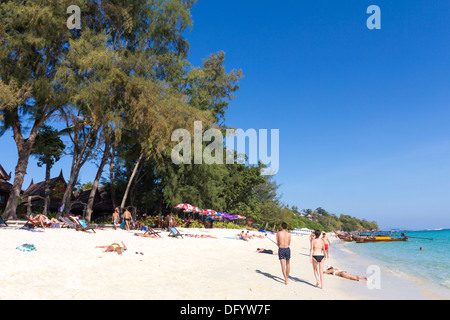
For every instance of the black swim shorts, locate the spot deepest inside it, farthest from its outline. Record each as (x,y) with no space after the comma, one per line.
(284,253)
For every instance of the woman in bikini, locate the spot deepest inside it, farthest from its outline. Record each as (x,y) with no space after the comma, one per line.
(114,247)
(317,257)
(343,274)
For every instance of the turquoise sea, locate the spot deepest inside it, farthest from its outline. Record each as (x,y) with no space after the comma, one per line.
(432,265)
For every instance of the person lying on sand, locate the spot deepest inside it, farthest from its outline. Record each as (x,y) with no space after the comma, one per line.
(114,247)
(146,235)
(262,250)
(343,274)
(199,236)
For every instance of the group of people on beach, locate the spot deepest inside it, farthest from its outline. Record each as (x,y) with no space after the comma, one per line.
(318,253)
(127,218)
(247,236)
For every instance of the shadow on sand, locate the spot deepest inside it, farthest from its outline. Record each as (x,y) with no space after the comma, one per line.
(281,280)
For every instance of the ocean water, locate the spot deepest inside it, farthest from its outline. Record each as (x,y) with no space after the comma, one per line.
(432,265)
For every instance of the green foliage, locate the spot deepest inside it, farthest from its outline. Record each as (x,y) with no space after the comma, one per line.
(48,147)
(125,77)
(227,225)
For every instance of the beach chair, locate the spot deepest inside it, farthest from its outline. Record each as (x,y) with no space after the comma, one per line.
(151,232)
(173,232)
(3,222)
(32,223)
(69,223)
(81,225)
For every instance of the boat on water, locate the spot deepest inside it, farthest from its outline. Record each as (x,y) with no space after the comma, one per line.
(345,237)
(378,237)
(371,237)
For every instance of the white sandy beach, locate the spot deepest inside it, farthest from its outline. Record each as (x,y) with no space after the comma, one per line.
(66,265)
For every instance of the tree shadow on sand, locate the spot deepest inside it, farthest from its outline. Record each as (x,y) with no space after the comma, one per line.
(281,280)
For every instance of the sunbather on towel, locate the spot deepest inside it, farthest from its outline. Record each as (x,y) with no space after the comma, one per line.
(146,235)
(114,247)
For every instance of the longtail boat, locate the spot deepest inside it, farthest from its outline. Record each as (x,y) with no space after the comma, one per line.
(364,238)
(344,237)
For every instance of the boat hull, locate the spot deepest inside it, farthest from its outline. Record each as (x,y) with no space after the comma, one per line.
(364,240)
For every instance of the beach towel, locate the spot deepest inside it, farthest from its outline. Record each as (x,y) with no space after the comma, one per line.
(232,238)
(26,247)
(31,229)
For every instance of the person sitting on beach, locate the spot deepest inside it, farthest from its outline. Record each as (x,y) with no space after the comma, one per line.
(262,250)
(114,247)
(37,218)
(43,220)
(343,274)
(242,236)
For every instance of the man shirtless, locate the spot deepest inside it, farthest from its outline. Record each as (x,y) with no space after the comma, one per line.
(127,217)
(284,252)
(116,218)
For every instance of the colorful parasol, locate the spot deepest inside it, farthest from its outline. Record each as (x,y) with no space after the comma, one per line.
(208,212)
(185,206)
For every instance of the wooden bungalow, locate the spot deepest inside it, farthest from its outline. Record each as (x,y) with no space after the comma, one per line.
(5,187)
(102,203)
(37,193)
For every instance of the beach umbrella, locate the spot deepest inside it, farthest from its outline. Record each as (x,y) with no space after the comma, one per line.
(186,207)
(227,216)
(182,206)
(208,212)
(189,208)
(231,216)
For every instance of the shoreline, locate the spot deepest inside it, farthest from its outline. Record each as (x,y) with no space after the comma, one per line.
(66,265)
(395,285)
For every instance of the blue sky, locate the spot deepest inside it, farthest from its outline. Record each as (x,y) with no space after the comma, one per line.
(363,114)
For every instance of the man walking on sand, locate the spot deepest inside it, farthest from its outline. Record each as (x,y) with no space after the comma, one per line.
(284,252)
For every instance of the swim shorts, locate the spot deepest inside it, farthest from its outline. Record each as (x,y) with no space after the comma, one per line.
(284,253)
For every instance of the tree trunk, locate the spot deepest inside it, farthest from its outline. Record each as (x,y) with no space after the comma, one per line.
(105,157)
(111,176)
(124,200)
(21,167)
(76,166)
(24,151)
(47,189)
